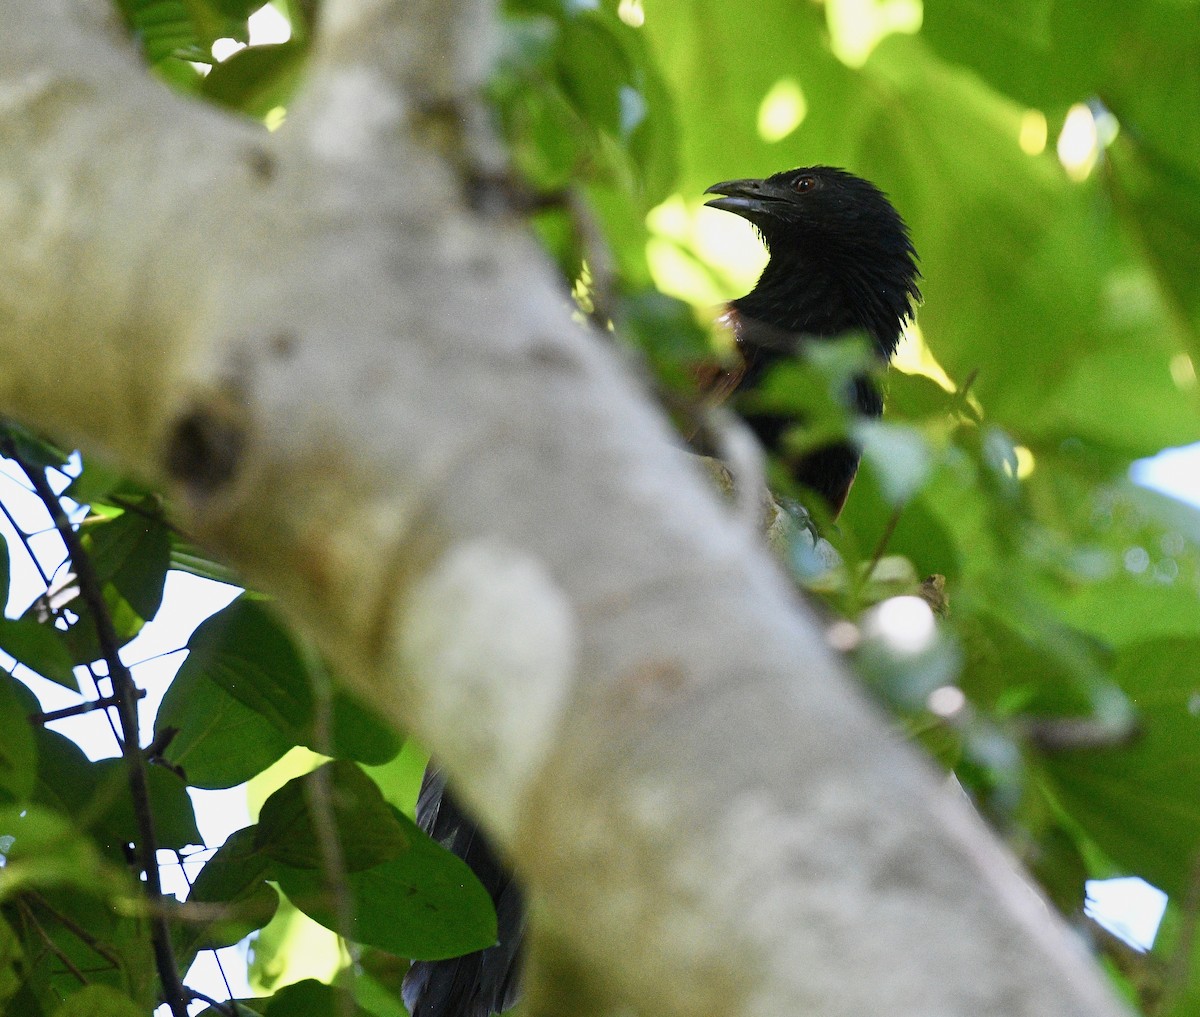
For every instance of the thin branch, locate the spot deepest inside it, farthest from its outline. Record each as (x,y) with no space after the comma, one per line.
(42,719)
(125,692)
(24,537)
(231,1007)
(881,545)
(52,946)
(319,794)
(73,927)
(46,579)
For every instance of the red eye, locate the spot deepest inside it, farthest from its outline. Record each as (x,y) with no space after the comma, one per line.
(804,183)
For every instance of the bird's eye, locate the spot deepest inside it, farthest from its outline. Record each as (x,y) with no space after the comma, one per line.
(804,183)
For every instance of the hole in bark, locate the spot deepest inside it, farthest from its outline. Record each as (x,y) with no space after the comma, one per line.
(205,449)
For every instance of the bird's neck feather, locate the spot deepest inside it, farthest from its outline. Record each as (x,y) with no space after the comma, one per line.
(824,296)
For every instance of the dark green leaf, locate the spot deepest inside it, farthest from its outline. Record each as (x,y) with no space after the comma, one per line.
(234,877)
(218,741)
(97,796)
(170,805)
(132,553)
(18,754)
(250,656)
(187,557)
(256,80)
(41,850)
(100,482)
(359,733)
(366,829)
(245,651)
(32,449)
(184,29)
(11,975)
(5,569)
(98,1001)
(425,904)
(310,998)
(1140,802)
(81,640)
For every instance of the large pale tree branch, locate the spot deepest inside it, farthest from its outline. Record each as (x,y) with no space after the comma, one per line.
(373,400)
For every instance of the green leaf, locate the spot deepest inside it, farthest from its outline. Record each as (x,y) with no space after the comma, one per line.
(32,449)
(97,797)
(170,805)
(900,454)
(1160,204)
(187,557)
(80,639)
(183,29)
(40,849)
(11,975)
(1141,802)
(244,1009)
(1048,55)
(5,569)
(310,998)
(18,754)
(247,653)
(236,878)
(132,553)
(366,829)
(359,733)
(425,904)
(98,1001)
(218,741)
(99,481)
(256,80)
(251,656)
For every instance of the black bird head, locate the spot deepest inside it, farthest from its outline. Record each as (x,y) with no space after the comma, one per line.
(841,259)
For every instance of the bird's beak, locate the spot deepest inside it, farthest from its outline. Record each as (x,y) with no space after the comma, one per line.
(742,197)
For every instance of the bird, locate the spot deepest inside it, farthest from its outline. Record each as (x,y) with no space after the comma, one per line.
(487,981)
(840,261)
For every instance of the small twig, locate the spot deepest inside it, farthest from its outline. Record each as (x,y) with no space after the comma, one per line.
(51,946)
(24,537)
(319,794)
(73,927)
(1066,734)
(885,538)
(231,1007)
(37,564)
(42,719)
(964,390)
(125,692)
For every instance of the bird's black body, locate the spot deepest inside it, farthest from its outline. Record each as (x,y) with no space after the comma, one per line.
(840,261)
(481,983)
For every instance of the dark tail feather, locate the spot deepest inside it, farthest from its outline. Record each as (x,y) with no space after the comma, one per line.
(476,984)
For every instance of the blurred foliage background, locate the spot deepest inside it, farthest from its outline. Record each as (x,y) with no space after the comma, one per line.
(1025,611)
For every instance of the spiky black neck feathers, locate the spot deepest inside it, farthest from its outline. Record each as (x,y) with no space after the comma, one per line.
(840,255)
(825,291)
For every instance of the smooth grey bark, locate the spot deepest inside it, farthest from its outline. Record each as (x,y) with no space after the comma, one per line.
(372,399)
